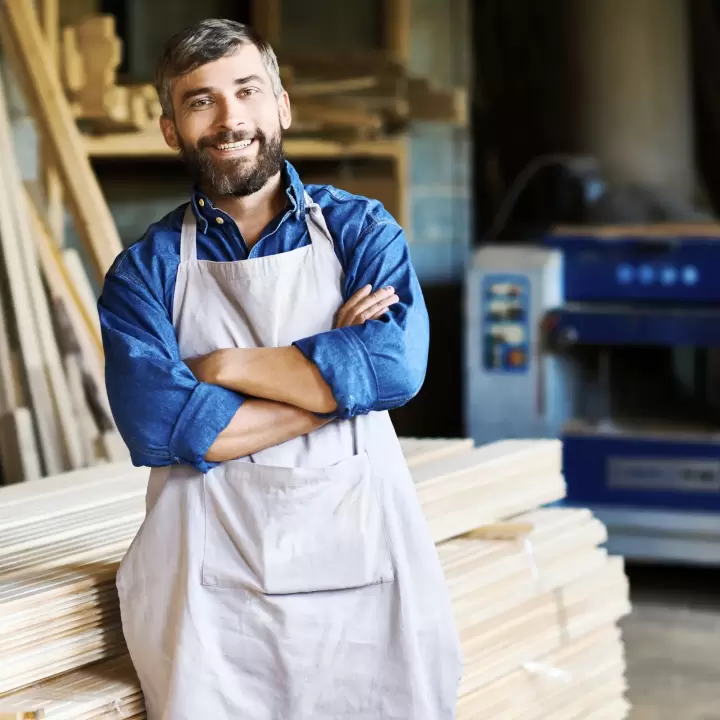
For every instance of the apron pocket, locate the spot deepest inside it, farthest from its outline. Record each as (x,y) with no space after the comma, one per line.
(283,530)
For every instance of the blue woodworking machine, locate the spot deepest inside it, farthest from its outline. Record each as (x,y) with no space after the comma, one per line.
(610,340)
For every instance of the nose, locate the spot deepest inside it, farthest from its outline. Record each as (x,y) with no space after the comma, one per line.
(231,114)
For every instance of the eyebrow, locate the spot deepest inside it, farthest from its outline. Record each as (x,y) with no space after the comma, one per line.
(194,92)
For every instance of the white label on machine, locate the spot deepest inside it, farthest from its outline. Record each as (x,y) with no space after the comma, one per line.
(664,474)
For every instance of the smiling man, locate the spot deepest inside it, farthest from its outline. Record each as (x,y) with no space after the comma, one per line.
(255,339)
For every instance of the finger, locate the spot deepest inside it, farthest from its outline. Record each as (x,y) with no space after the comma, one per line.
(380,306)
(371,300)
(357,297)
(377,314)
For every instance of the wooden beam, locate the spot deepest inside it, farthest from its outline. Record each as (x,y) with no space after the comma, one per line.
(22,306)
(397,30)
(49,11)
(20,32)
(266,16)
(150,144)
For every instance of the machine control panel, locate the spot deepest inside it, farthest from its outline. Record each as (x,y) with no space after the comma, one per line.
(506,334)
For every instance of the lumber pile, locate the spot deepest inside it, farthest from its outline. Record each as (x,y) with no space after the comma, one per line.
(30,57)
(365,86)
(91,52)
(536,599)
(338,97)
(54,413)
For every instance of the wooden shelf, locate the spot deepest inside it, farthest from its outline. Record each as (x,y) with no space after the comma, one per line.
(150,145)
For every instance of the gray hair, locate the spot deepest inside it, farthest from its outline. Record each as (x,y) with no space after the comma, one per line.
(203,43)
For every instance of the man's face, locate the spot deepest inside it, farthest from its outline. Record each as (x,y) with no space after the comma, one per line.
(228,123)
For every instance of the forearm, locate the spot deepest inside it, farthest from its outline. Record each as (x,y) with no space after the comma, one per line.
(260,424)
(281,374)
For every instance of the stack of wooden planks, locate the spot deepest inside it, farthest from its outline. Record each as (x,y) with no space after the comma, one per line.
(54,413)
(343,96)
(536,599)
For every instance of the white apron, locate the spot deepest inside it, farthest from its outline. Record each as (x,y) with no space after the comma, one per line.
(300,583)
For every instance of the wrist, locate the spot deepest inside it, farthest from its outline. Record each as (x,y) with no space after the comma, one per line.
(226,367)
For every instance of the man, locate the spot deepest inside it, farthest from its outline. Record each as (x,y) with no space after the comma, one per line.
(255,339)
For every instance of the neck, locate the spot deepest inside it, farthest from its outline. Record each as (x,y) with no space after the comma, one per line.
(253,212)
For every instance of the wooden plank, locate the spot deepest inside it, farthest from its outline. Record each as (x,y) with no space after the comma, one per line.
(528,690)
(18,449)
(267,19)
(546,595)
(397,30)
(150,144)
(81,412)
(422,450)
(20,30)
(49,12)
(43,325)
(19,457)
(76,271)
(46,420)
(83,327)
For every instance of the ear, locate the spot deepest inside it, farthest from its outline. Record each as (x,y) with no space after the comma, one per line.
(284,110)
(167,126)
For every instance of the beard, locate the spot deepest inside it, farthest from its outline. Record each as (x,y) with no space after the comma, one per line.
(235,177)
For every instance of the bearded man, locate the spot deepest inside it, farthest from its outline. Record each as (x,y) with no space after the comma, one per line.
(255,339)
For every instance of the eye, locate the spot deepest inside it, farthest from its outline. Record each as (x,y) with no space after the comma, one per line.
(200,103)
(246,92)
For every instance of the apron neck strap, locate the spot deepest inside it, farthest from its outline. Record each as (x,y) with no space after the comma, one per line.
(188,242)
(317,227)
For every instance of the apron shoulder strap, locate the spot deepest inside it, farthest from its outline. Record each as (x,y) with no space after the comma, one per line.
(317,227)
(188,243)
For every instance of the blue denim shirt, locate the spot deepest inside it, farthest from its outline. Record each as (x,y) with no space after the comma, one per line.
(164,414)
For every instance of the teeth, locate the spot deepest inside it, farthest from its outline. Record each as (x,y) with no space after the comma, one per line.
(235,145)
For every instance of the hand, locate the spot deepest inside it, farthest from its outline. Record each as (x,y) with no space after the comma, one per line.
(365,305)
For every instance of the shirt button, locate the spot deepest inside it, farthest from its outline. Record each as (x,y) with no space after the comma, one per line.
(219,220)
(201,202)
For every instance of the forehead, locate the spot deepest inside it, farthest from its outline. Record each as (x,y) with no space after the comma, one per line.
(225,72)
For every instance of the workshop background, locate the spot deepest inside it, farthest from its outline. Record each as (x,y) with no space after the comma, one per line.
(556,166)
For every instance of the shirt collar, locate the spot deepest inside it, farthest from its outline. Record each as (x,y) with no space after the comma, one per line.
(294,189)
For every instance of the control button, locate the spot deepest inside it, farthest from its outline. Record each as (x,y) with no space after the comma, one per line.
(647,274)
(690,275)
(668,276)
(516,358)
(625,274)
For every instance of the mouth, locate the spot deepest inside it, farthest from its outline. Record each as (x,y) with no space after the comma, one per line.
(234,148)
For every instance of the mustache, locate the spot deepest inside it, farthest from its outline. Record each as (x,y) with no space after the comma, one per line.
(228,137)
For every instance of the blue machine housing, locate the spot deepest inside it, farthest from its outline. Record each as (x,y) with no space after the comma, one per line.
(657,490)
(657,473)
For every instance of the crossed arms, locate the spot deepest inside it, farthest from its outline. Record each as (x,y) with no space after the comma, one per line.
(232,403)
(285,389)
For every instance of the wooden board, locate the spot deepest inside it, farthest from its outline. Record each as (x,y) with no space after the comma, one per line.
(21,34)
(532,687)
(68,431)
(422,450)
(18,449)
(46,420)
(19,458)
(534,595)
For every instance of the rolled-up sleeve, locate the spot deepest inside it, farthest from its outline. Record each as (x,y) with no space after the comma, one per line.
(380,364)
(162,412)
